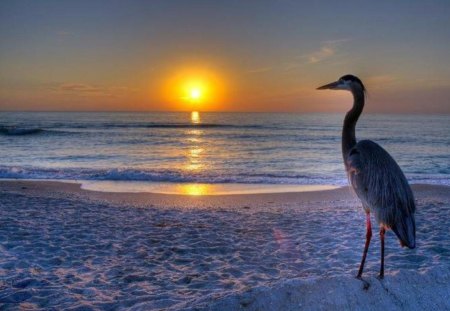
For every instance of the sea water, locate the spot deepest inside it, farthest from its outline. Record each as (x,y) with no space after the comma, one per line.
(212,148)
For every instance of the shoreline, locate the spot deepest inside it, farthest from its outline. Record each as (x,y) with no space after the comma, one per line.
(139,188)
(235,202)
(187,188)
(64,247)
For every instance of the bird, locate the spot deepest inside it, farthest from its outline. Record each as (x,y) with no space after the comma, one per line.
(375,177)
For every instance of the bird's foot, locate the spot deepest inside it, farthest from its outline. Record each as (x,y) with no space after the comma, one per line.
(380,276)
(366,284)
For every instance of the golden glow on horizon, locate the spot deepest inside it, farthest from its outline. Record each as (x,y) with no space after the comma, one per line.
(194,89)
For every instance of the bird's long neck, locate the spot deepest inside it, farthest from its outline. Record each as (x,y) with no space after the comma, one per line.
(348,130)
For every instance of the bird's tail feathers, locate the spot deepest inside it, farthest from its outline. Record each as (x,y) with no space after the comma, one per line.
(406,231)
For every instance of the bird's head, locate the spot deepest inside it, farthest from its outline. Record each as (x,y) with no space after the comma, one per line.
(347,82)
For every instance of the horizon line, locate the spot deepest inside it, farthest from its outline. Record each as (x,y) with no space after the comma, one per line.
(218,111)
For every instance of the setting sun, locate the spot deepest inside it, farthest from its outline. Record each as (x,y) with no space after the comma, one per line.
(194,89)
(195,94)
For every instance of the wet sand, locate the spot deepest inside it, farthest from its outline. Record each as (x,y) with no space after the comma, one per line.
(62,247)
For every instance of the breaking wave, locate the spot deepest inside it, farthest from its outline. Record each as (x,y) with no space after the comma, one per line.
(179,176)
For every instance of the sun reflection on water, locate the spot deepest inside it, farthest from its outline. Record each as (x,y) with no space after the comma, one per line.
(194,152)
(194,189)
(195,117)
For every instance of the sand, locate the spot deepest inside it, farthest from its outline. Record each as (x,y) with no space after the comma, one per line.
(66,248)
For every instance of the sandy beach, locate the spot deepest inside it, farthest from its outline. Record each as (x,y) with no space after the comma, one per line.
(206,155)
(66,248)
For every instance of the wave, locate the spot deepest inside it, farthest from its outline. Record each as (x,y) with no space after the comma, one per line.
(200,125)
(160,125)
(24,131)
(15,131)
(435,179)
(178,176)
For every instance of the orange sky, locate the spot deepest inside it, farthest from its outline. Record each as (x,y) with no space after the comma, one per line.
(244,57)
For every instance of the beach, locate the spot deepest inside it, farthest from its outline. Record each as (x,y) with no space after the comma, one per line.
(206,155)
(66,248)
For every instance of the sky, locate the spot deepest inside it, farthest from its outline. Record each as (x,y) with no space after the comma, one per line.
(239,55)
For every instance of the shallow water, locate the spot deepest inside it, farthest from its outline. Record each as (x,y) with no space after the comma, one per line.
(261,148)
(196,189)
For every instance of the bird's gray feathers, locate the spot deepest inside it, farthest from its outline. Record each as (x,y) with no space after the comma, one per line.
(382,187)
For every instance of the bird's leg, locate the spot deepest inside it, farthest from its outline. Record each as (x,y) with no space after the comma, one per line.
(366,247)
(382,232)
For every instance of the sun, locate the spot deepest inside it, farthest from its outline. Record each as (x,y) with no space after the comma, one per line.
(195,94)
(194,89)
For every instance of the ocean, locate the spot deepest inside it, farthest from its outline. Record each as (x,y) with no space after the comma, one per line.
(212,148)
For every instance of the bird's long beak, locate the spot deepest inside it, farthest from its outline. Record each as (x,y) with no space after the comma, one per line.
(329,86)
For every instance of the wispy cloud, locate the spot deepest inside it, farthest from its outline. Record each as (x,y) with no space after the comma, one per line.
(327,49)
(63,33)
(78,87)
(83,89)
(401,81)
(380,80)
(337,41)
(320,55)
(259,70)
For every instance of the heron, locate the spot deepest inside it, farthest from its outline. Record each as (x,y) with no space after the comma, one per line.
(375,177)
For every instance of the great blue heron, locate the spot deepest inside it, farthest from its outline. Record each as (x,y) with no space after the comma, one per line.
(375,177)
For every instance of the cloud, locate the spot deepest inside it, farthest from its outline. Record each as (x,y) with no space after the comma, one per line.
(63,33)
(320,55)
(259,70)
(327,49)
(402,82)
(83,89)
(78,87)
(381,80)
(336,41)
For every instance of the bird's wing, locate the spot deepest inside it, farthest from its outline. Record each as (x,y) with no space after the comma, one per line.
(382,187)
